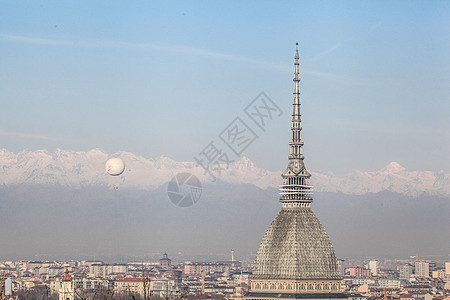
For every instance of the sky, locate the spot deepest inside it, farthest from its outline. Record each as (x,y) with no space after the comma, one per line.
(168,77)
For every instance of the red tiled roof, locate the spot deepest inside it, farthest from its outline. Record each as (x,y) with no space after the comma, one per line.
(66,277)
(406,296)
(130,279)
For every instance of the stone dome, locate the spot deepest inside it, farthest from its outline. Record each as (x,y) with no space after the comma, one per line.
(296,246)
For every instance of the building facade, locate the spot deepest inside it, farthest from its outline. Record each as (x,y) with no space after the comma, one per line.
(209,267)
(102,270)
(422,269)
(406,272)
(373,267)
(165,261)
(359,272)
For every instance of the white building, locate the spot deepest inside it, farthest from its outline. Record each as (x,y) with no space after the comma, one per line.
(438,274)
(117,268)
(389,283)
(132,286)
(362,280)
(373,266)
(164,288)
(97,270)
(101,270)
(422,269)
(161,287)
(405,272)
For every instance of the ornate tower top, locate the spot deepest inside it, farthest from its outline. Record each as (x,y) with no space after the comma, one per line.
(296,190)
(295,259)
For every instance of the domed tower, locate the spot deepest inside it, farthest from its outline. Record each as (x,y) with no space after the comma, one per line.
(66,291)
(296,258)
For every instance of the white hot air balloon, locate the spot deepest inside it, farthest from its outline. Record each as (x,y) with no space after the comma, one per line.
(115,166)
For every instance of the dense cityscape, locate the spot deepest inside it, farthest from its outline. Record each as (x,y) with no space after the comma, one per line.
(403,279)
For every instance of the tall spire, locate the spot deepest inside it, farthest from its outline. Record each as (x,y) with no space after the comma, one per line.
(296,190)
(296,145)
(295,258)
(296,113)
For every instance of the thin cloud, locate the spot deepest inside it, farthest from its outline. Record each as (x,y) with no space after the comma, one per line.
(226,56)
(164,48)
(168,48)
(328,51)
(26,135)
(35,41)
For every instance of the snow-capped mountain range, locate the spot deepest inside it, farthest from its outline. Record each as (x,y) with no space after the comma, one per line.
(78,169)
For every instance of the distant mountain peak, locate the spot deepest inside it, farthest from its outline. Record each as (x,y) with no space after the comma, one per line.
(393,167)
(244,162)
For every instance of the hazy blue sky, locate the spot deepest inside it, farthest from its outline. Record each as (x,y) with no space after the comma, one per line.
(165,78)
